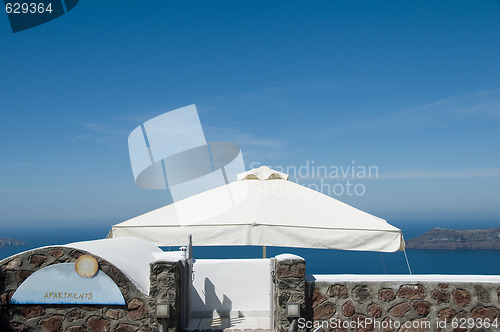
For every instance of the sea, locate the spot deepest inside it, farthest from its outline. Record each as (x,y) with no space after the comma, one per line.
(318,261)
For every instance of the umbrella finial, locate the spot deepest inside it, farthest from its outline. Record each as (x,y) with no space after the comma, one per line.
(262,173)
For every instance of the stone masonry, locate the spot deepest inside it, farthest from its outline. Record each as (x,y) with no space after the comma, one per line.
(290,286)
(165,280)
(370,305)
(134,316)
(388,306)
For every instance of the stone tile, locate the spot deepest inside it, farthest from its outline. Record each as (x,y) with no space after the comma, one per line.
(194,324)
(264,322)
(213,323)
(245,323)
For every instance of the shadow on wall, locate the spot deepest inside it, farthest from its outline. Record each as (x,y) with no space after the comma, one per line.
(206,307)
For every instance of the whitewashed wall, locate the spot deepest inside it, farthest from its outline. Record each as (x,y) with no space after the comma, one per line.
(223,287)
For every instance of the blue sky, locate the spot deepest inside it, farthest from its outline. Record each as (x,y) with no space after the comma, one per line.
(410,87)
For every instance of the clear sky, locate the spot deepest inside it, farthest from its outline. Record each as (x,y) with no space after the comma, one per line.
(410,87)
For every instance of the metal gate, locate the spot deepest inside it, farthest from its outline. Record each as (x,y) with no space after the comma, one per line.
(231,293)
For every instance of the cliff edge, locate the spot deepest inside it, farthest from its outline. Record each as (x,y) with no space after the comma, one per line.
(451,239)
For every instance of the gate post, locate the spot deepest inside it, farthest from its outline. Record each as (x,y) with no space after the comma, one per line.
(290,288)
(165,296)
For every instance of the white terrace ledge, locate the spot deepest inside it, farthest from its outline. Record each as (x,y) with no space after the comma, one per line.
(402,278)
(131,255)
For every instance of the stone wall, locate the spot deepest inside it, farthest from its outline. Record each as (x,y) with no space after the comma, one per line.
(165,279)
(388,306)
(326,301)
(134,316)
(290,286)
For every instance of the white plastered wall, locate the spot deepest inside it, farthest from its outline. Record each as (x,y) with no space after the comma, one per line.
(231,287)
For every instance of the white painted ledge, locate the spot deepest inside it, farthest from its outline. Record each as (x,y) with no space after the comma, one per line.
(403,278)
(285,257)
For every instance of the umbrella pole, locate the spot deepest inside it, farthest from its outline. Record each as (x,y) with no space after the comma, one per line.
(263,251)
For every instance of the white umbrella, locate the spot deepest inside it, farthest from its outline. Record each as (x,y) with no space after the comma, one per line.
(263,208)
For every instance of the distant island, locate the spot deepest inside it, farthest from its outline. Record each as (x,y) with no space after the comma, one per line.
(10,242)
(451,239)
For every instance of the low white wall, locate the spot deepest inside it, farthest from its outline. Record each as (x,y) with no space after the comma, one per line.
(231,286)
(403,278)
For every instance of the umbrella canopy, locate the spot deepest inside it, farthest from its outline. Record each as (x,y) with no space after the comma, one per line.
(263,208)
